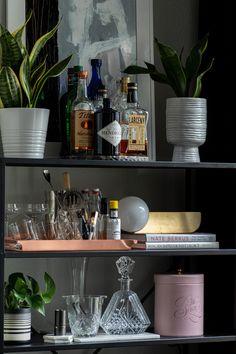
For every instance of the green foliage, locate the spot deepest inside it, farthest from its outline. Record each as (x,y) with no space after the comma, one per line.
(21,80)
(185,79)
(24,291)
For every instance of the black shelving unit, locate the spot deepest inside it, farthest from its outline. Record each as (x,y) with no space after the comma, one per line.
(211,190)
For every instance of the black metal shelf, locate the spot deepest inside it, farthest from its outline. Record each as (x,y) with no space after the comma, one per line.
(58,162)
(116,253)
(37,343)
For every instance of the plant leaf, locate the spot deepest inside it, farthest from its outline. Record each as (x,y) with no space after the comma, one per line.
(40,43)
(10,51)
(54,71)
(10,89)
(24,75)
(156,75)
(173,68)
(34,286)
(135,69)
(17,34)
(50,289)
(198,86)
(36,303)
(38,72)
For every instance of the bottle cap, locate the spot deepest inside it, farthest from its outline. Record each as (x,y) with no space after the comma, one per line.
(78,68)
(82,74)
(113,204)
(132,85)
(97,62)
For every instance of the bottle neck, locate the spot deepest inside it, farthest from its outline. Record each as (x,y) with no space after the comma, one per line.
(82,89)
(113,213)
(96,72)
(132,97)
(125,284)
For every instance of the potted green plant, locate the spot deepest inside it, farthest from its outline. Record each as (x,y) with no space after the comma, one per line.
(22,80)
(21,294)
(186,113)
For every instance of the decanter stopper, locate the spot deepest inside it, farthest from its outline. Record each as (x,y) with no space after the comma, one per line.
(125,267)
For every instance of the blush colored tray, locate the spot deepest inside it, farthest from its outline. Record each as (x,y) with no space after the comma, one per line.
(75,245)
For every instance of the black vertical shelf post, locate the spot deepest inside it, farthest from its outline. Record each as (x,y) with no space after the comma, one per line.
(2,213)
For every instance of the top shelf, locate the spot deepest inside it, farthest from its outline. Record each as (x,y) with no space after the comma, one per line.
(58,162)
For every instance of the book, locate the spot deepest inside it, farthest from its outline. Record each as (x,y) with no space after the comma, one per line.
(174,245)
(172,237)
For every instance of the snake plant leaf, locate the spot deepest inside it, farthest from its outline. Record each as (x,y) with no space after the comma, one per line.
(18,33)
(54,71)
(50,289)
(156,75)
(38,72)
(198,86)
(24,76)
(135,69)
(173,68)
(10,89)
(10,51)
(1,103)
(40,43)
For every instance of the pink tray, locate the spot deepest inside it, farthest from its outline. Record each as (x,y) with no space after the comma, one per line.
(76,245)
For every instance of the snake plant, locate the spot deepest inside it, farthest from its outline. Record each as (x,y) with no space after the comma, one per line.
(21,79)
(184,78)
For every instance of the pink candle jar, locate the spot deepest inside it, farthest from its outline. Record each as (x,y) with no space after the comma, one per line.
(179,300)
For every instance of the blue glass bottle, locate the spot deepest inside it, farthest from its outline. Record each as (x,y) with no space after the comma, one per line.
(96,81)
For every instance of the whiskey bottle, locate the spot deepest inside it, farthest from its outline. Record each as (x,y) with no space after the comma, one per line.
(107,130)
(96,80)
(66,107)
(82,120)
(133,122)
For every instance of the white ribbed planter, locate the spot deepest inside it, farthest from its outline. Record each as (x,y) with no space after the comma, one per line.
(23,132)
(17,325)
(186,127)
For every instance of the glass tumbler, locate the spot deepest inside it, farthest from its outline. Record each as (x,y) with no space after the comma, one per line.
(84,313)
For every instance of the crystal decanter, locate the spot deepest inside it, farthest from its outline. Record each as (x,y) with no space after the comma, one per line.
(124,313)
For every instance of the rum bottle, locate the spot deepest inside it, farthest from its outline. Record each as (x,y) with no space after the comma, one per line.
(82,120)
(107,130)
(133,122)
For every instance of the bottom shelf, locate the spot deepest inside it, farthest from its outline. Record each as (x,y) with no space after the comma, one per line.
(37,343)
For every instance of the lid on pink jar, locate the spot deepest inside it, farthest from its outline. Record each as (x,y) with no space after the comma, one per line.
(179,278)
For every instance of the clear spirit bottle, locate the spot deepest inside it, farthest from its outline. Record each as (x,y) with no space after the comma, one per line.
(119,102)
(133,122)
(124,313)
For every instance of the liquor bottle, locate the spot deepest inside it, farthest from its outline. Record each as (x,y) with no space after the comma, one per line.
(113,222)
(124,314)
(120,100)
(66,107)
(96,81)
(102,93)
(107,130)
(133,122)
(64,119)
(82,120)
(102,220)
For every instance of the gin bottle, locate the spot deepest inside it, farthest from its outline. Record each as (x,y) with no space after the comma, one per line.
(133,123)
(124,313)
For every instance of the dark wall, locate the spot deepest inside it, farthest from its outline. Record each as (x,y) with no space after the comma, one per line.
(218,19)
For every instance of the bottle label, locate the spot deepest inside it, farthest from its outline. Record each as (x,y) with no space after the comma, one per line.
(136,132)
(82,130)
(111,133)
(113,229)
